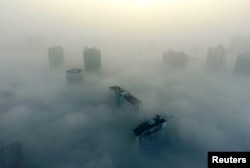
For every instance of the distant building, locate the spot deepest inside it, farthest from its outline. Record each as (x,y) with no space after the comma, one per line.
(216,57)
(7,99)
(56,57)
(243,63)
(148,134)
(175,59)
(125,99)
(239,44)
(92,59)
(11,156)
(74,75)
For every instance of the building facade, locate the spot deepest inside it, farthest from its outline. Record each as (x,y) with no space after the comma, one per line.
(92,59)
(216,57)
(243,63)
(175,59)
(56,57)
(124,99)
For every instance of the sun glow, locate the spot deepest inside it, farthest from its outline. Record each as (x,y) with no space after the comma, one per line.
(143,2)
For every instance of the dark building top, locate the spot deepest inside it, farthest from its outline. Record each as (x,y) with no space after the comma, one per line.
(131,99)
(116,89)
(150,126)
(74,70)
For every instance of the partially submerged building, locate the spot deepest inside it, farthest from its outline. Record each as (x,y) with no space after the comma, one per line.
(92,59)
(11,156)
(74,75)
(243,63)
(124,99)
(148,134)
(216,57)
(175,59)
(56,57)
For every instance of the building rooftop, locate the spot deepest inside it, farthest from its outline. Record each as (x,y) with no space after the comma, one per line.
(74,70)
(125,94)
(150,126)
(133,100)
(116,88)
(91,49)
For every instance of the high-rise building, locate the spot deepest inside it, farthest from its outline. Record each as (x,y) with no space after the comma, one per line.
(243,63)
(175,59)
(11,156)
(216,57)
(124,99)
(239,44)
(74,75)
(92,59)
(148,134)
(56,57)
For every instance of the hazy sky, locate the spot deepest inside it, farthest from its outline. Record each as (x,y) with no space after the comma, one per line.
(171,21)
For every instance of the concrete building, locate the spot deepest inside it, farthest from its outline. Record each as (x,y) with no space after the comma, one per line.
(175,59)
(216,57)
(56,57)
(74,75)
(124,99)
(243,63)
(148,134)
(92,59)
(239,44)
(11,156)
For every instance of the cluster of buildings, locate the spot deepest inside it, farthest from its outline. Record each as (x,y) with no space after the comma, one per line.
(148,134)
(216,59)
(91,58)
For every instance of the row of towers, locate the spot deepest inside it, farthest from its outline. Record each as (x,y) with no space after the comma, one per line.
(216,59)
(91,57)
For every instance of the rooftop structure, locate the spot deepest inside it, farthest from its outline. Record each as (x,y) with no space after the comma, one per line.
(123,97)
(92,59)
(56,57)
(74,75)
(216,57)
(150,127)
(148,134)
(11,156)
(175,59)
